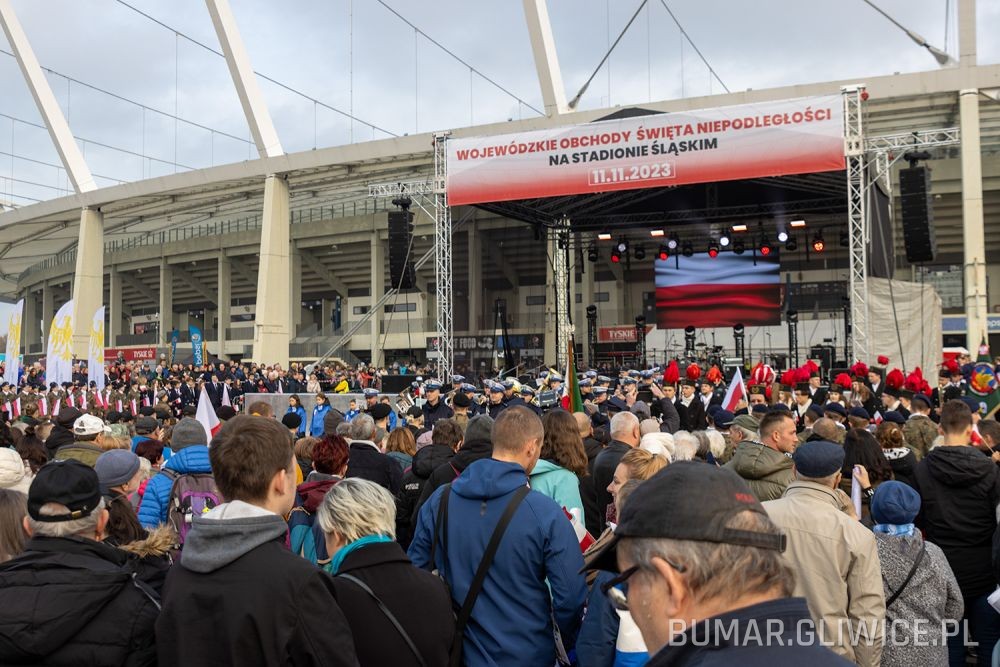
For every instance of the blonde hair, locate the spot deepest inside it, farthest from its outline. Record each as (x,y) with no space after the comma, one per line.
(642,464)
(355,508)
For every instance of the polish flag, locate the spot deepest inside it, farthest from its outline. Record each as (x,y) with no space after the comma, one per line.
(99,399)
(43,407)
(134,406)
(9,410)
(145,401)
(206,415)
(585,539)
(877,418)
(56,406)
(71,400)
(121,408)
(705,292)
(737,392)
(83,401)
(16,404)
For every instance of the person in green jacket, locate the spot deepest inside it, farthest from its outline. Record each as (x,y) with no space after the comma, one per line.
(563,462)
(765,464)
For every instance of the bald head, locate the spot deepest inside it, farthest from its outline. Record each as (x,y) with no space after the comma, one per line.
(583,424)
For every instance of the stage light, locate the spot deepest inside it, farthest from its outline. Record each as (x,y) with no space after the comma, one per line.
(616,256)
(819,245)
(738,329)
(739,228)
(687,249)
(656,233)
(782,236)
(739,248)
(793,316)
(622,246)
(791,244)
(592,253)
(713,249)
(845,242)
(797,223)
(673,242)
(724,240)
(640,252)
(664,253)
(604,236)
(765,248)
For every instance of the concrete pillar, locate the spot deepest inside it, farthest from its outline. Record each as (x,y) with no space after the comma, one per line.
(225,299)
(166,300)
(967,34)
(973,229)
(48,310)
(295,288)
(377,290)
(325,315)
(31,330)
(115,307)
(88,279)
(475,286)
(272,327)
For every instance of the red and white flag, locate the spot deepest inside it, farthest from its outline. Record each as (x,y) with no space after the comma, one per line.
(56,406)
(583,537)
(121,408)
(43,407)
(134,406)
(877,418)
(16,404)
(83,401)
(9,410)
(99,399)
(225,396)
(737,392)
(145,401)
(71,400)
(206,415)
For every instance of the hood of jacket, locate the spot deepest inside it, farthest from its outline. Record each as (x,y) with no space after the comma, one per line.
(191,459)
(228,532)
(488,478)
(69,581)
(752,460)
(159,542)
(429,458)
(544,466)
(958,466)
(472,451)
(312,493)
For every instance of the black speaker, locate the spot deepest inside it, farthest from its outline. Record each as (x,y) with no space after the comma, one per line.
(401,271)
(917,214)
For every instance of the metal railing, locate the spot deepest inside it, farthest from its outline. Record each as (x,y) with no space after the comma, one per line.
(222,227)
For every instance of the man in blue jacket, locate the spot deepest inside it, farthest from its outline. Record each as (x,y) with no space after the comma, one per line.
(190,446)
(534,577)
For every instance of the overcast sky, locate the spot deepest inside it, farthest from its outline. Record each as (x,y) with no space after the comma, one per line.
(403,83)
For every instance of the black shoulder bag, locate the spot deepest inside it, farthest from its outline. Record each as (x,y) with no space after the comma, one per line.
(389,615)
(441,528)
(913,571)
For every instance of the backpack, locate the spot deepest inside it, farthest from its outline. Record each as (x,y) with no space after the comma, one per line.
(191,494)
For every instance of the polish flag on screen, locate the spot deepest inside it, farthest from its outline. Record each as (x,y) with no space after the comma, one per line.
(737,392)
(705,292)
(206,415)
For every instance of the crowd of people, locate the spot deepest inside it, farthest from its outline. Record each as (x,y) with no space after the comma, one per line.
(848,519)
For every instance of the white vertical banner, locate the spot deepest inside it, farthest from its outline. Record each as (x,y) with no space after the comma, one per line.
(13,344)
(95,356)
(59,356)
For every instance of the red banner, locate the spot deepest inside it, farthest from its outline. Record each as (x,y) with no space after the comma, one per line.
(622,334)
(797,136)
(130,354)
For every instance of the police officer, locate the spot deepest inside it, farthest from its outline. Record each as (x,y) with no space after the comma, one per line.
(526,396)
(496,404)
(434,408)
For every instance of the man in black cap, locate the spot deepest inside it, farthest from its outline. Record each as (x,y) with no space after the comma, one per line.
(834,556)
(692,590)
(69,598)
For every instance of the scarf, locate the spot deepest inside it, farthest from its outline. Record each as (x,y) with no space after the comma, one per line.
(338,558)
(894,529)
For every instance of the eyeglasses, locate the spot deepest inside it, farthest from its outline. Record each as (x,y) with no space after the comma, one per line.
(617,596)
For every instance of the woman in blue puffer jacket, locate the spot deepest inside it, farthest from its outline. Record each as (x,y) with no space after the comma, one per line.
(295,405)
(318,413)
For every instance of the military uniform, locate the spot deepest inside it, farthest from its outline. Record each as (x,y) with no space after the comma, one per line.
(920,433)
